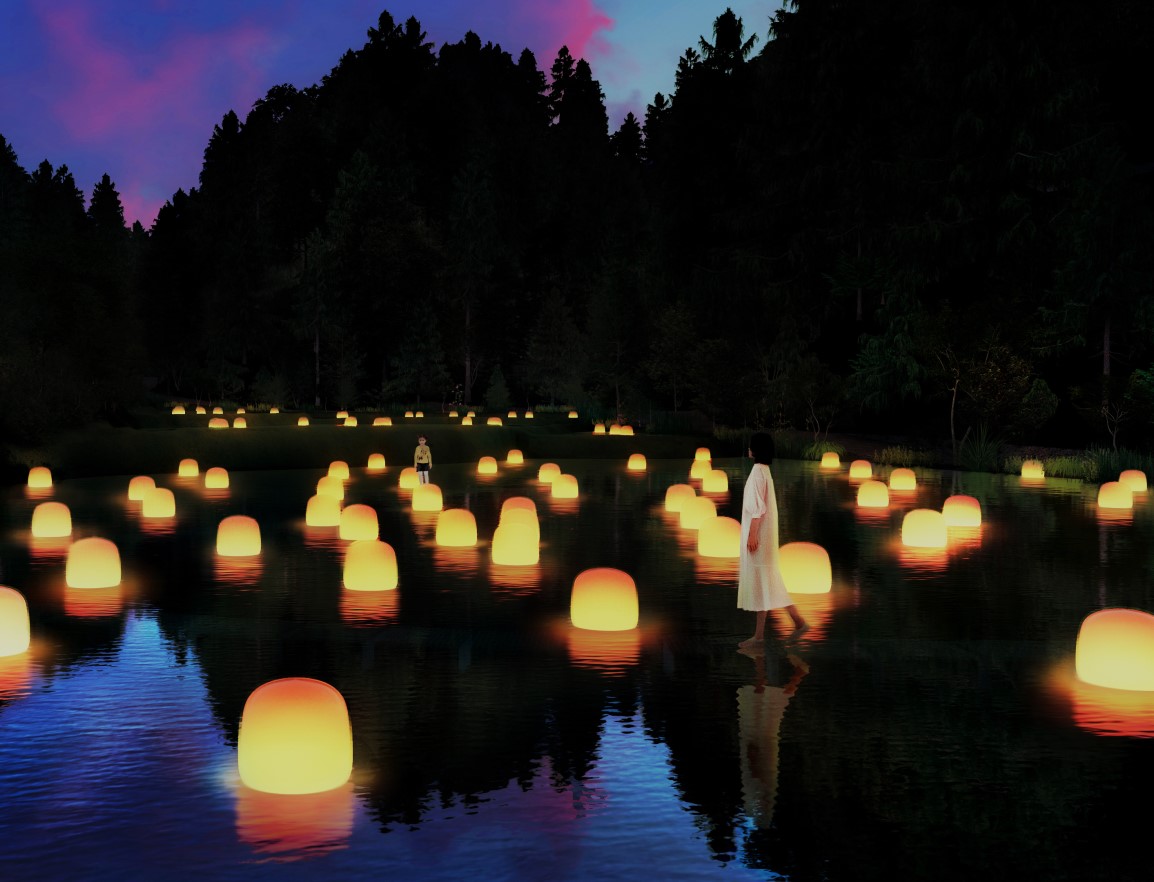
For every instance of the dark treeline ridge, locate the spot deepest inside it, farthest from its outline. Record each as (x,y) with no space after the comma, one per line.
(919,218)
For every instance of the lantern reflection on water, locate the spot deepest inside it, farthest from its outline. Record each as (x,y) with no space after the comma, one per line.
(604,599)
(92,563)
(359,522)
(370,565)
(805,568)
(282,827)
(238,536)
(51,520)
(1115,649)
(456,528)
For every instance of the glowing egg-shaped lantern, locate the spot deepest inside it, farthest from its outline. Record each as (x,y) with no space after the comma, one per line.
(903,479)
(603,599)
(1135,479)
(338,468)
(408,414)
(514,457)
(408,478)
(565,487)
(456,528)
(962,511)
(471,414)
(702,454)
(873,494)
(1115,494)
(240,410)
(518,502)
(512,415)
(240,423)
(344,415)
(323,511)
(676,495)
(376,462)
(1033,469)
(453,414)
(359,522)
(427,497)
(598,428)
(493,421)
(370,565)
(238,536)
(159,502)
(467,421)
(528,414)
(15,627)
(627,430)
(420,414)
(699,469)
(1116,649)
(715,481)
(139,486)
(636,462)
(830,460)
(92,563)
(572,414)
(924,528)
(218,411)
(487,465)
(51,520)
(332,486)
(302,421)
(295,737)
(522,517)
(218,423)
(515,544)
(350,422)
(719,537)
(383,421)
(188,469)
(548,472)
(178,410)
(615,429)
(200,410)
(39,478)
(695,511)
(274,410)
(861,469)
(805,568)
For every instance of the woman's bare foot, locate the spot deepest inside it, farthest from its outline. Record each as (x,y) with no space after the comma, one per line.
(798,632)
(750,643)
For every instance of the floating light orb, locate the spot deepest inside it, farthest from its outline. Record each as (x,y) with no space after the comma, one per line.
(323,511)
(218,411)
(467,421)
(924,528)
(39,478)
(376,462)
(487,465)
(383,421)
(805,568)
(200,410)
(702,454)
(51,520)
(676,495)
(548,472)
(636,462)
(359,522)
(565,487)
(962,511)
(715,481)
(1135,479)
(274,410)
(695,511)
(603,599)
(240,423)
(427,497)
(159,502)
(408,414)
(370,565)
(92,563)
(830,460)
(572,414)
(861,469)
(903,479)
(873,494)
(699,469)
(1033,469)
(295,737)
(138,486)
(350,422)
(188,469)
(493,421)
(719,537)
(178,410)
(408,478)
(515,544)
(1115,495)
(456,528)
(344,415)
(15,627)
(238,536)
(1116,649)
(218,423)
(302,421)
(332,486)
(598,429)
(514,457)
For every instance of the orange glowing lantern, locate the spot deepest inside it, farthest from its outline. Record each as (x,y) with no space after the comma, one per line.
(603,599)
(805,568)
(1115,494)
(515,544)
(456,528)
(493,421)
(359,522)
(188,469)
(139,486)
(1033,469)
(565,487)
(218,411)
(376,462)
(238,536)
(39,478)
(240,410)
(323,511)
(420,414)
(408,414)
(518,502)
(636,462)
(471,414)
(467,421)
(302,421)
(453,414)
(344,415)
(295,737)
(350,422)
(159,502)
(370,565)
(695,511)
(15,627)
(522,517)
(719,537)
(1135,479)
(548,472)
(514,457)
(528,414)
(830,460)
(873,494)
(200,410)
(598,429)
(240,423)
(487,465)
(512,415)
(962,511)
(1116,649)
(408,478)
(715,481)
(338,468)
(218,423)
(860,469)
(274,410)
(702,454)
(903,479)
(677,495)
(178,410)
(332,486)
(427,497)
(216,478)
(572,414)
(699,469)
(615,429)
(383,421)
(92,563)
(51,520)
(924,528)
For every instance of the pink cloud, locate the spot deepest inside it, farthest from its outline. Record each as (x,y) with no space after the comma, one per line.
(578,24)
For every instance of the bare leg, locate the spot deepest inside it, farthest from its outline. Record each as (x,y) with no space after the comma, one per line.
(758,631)
(800,625)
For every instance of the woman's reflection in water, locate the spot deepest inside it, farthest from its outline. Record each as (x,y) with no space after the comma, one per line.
(760,707)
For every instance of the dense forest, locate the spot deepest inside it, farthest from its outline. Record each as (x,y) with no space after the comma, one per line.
(929,218)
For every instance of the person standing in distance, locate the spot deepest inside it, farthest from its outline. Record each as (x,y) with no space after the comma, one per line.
(422,459)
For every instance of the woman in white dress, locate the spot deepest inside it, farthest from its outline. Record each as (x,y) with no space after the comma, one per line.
(760,586)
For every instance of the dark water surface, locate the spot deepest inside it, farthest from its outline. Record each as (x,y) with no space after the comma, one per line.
(927,727)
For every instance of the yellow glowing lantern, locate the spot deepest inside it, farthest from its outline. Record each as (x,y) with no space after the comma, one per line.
(188,469)
(515,544)
(1135,479)
(467,421)
(860,469)
(338,468)
(627,431)
(677,495)
(218,423)
(383,421)
(359,522)
(924,528)
(699,469)
(719,537)
(350,422)
(1115,494)
(493,421)
(603,599)
(565,487)
(159,502)
(487,465)
(830,460)
(344,415)
(39,477)
(598,429)
(702,454)
(240,410)
(514,457)
(548,472)
(636,462)
(512,414)
(15,628)
(528,414)
(139,486)
(523,518)
(218,411)
(200,410)
(178,410)
(615,429)
(408,414)
(1033,469)
(471,414)
(456,528)
(572,414)
(331,486)
(962,511)
(715,481)
(903,479)
(873,494)
(240,423)
(420,414)
(453,414)
(1116,649)
(427,497)
(51,520)
(92,563)
(295,737)
(323,511)
(805,568)
(518,502)
(274,410)
(695,511)
(370,565)
(376,462)
(408,478)
(238,536)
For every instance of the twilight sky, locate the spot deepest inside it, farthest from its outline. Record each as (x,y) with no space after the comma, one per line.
(134,87)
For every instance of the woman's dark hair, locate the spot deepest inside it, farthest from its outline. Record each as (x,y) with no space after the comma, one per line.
(761,446)
(421,438)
